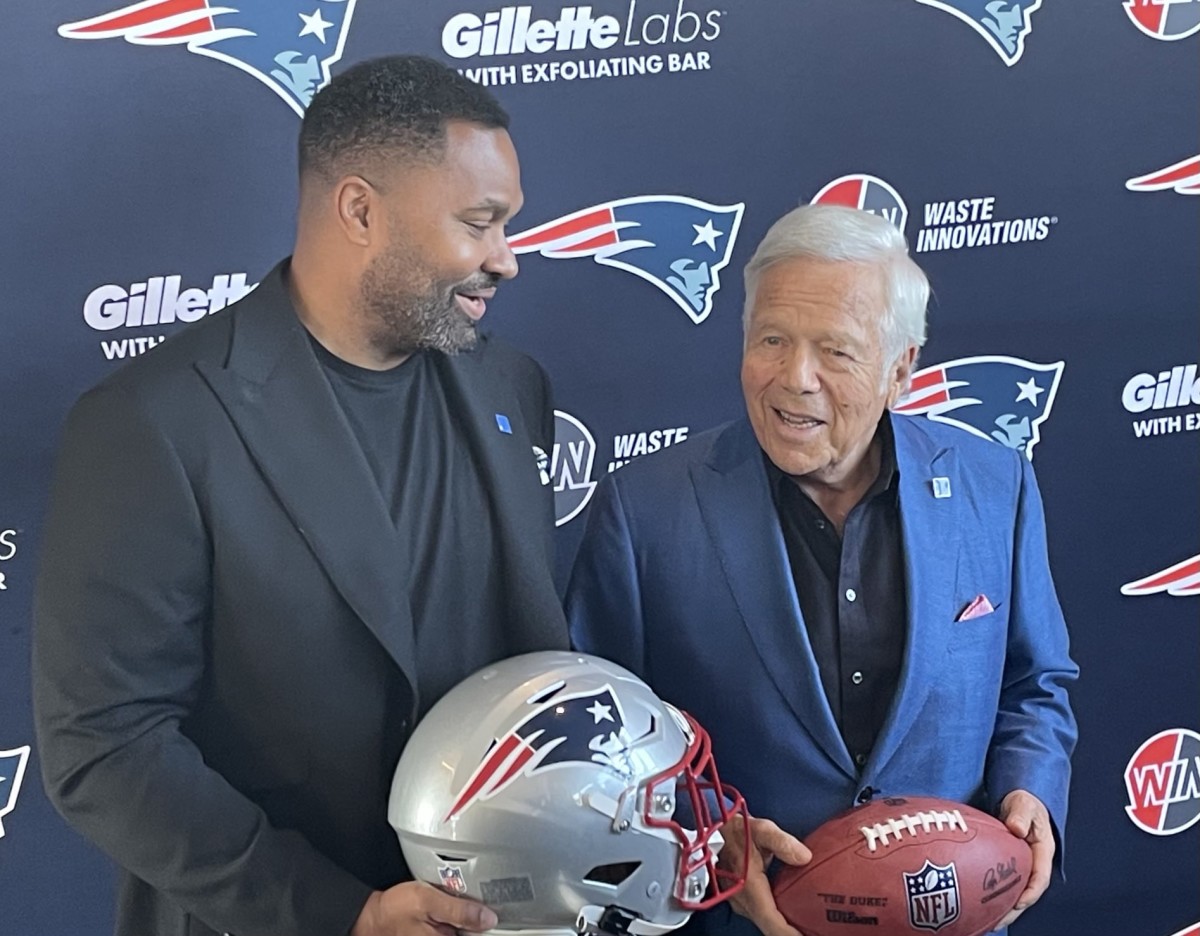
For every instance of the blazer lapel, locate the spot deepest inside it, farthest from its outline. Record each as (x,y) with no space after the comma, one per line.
(287,416)
(741,520)
(930,531)
(522,513)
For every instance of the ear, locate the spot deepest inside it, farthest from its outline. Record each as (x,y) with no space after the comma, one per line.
(901,374)
(359,210)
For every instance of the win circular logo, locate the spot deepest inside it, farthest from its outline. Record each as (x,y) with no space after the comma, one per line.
(867,193)
(570,467)
(1167,20)
(1163,781)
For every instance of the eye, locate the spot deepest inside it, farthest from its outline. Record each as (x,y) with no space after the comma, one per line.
(773,341)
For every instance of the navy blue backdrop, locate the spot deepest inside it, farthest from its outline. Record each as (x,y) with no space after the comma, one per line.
(1038,155)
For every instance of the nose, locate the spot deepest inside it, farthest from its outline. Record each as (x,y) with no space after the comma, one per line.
(800,370)
(501,261)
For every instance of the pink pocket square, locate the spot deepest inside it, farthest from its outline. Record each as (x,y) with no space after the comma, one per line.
(978,607)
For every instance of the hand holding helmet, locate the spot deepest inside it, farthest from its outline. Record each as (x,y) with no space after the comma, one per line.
(559,790)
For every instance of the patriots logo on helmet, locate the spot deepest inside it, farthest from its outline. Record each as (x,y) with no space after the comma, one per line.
(1179,580)
(677,243)
(586,727)
(1003,399)
(1165,19)
(288,45)
(1003,23)
(1183,177)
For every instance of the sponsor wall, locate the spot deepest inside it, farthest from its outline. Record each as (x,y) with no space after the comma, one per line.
(1038,155)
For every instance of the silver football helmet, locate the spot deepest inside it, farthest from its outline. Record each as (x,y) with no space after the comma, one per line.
(559,790)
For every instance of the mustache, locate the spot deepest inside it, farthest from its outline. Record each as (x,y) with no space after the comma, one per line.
(475,283)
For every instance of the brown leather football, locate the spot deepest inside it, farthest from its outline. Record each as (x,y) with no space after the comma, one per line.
(905,865)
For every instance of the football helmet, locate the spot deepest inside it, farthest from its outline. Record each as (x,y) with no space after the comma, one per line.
(559,790)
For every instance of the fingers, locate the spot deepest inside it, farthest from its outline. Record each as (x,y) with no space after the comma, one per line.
(455,912)
(769,838)
(1042,847)
(1018,811)
(757,903)
(1026,817)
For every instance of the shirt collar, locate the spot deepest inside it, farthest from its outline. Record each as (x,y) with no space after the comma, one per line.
(889,470)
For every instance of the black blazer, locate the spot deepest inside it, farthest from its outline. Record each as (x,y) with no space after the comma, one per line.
(223,648)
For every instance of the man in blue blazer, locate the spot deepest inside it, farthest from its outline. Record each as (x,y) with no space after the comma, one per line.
(853,603)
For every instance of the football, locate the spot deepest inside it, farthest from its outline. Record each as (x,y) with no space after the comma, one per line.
(905,865)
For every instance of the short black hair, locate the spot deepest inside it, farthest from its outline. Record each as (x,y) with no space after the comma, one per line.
(394,106)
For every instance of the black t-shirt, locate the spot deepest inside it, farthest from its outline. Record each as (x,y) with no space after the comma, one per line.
(429,483)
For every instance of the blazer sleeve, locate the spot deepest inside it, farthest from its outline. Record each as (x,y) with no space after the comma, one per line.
(121,608)
(603,599)
(1035,730)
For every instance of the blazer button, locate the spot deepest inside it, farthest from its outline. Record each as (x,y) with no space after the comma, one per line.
(865,795)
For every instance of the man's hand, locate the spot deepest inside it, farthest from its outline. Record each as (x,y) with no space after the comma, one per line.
(755,901)
(417,909)
(1028,819)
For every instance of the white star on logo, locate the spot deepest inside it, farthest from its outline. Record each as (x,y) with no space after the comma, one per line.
(1029,391)
(315,24)
(601,712)
(707,234)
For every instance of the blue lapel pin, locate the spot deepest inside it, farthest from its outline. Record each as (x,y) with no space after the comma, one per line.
(503,424)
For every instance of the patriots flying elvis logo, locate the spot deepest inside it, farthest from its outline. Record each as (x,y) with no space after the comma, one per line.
(288,45)
(12,771)
(1003,23)
(1183,177)
(584,727)
(1179,580)
(1003,399)
(677,243)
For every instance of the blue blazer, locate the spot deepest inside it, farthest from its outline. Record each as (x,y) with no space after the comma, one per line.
(683,577)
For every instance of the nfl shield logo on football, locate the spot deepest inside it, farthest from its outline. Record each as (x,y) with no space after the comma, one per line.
(452,879)
(933,899)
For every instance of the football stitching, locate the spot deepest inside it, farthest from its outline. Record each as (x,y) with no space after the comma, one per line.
(877,834)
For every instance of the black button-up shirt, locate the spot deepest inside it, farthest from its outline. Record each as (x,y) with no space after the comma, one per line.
(852,595)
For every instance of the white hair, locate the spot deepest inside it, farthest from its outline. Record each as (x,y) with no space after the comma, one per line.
(836,233)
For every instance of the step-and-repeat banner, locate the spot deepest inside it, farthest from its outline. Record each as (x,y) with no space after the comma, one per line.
(1041,156)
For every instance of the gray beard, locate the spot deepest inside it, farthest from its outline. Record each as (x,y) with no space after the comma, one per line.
(430,323)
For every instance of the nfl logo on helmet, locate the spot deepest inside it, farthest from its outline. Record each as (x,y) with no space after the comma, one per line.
(679,244)
(1003,399)
(288,45)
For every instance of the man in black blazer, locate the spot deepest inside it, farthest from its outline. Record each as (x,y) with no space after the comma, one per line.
(276,540)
